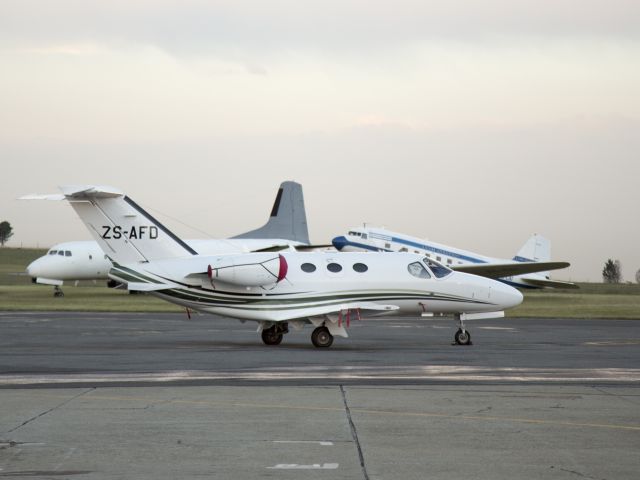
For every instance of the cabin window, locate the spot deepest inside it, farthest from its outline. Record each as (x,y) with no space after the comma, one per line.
(449,261)
(90,257)
(334,267)
(67,253)
(53,252)
(439,259)
(404,249)
(308,267)
(387,245)
(360,267)
(417,270)
(60,252)
(439,270)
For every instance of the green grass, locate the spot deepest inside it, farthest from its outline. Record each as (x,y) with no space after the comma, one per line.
(14,261)
(592,300)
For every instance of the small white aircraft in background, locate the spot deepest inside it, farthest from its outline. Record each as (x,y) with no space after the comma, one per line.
(528,269)
(85,260)
(277,289)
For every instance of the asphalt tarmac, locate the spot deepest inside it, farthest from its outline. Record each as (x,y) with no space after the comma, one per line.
(87,395)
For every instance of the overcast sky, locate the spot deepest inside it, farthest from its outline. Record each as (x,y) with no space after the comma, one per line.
(471,123)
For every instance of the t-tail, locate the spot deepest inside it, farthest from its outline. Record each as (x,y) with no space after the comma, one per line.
(288,220)
(124,230)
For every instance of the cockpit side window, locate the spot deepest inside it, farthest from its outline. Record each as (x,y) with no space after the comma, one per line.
(439,270)
(417,270)
(67,253)
(61,252)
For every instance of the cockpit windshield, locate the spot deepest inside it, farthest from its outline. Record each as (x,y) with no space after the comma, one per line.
(417,270)
(439,270)
(353,233)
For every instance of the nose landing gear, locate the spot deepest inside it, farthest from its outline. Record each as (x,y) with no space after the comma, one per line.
(462,336)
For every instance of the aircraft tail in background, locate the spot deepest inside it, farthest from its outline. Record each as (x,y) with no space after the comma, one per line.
(288,220)
(536,249)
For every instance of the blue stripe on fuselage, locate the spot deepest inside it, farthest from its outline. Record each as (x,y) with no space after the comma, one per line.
(429,248)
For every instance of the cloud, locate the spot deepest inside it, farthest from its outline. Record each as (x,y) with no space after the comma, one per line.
(196,27)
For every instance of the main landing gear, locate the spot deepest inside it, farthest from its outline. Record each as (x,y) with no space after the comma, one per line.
(273,335)
(321,337)
(57,292)
(462,336)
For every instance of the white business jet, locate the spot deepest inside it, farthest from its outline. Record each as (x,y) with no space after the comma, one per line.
(85,260)
(324,289)
(528,269)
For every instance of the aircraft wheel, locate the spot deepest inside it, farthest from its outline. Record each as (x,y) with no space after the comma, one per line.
(58,293)
(463,337)
(271,336)
(321,337)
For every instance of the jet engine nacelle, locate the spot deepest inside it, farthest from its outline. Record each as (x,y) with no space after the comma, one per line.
(249,271)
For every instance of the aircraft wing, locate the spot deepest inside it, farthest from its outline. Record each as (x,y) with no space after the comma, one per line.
(548,283)
(499,270)
(333,309)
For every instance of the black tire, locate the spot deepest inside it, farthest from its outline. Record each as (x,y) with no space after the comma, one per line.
(58,294)
(271,336)
(463,337)
(321,338)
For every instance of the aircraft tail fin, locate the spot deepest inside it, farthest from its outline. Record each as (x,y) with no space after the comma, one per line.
(536,249)
(288,220)
(123,229)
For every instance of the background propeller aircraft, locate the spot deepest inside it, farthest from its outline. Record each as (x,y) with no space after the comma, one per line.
(276,290)
(528,269)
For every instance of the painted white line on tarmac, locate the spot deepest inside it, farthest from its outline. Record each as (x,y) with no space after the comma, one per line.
(346,373)
(324,444)
(295,466)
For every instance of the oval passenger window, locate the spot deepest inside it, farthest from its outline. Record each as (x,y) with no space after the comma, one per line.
(334,267)
(360,267)
(308,267)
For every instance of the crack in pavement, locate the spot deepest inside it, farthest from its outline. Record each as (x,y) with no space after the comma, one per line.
(26,422)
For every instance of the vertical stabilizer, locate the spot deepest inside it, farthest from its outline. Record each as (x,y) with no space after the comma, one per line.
(288,220)
(124,231)
(536,249)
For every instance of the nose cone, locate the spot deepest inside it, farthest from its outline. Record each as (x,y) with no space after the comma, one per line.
(34,268)
(339,242)
(505,295)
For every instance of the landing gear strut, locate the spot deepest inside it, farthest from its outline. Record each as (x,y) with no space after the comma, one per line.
(57,292)
(462,336)
(321,337)
(273,335)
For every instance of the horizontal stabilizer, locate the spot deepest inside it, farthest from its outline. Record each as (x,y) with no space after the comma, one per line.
(549,283)
(500,270)
(38,196)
